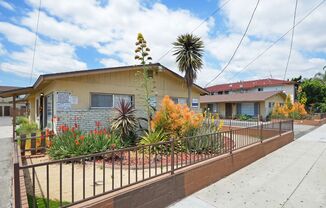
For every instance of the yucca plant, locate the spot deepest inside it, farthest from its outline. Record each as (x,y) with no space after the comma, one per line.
(125,121)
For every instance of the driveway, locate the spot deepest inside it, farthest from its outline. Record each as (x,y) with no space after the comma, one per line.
(5,162)
(291,177)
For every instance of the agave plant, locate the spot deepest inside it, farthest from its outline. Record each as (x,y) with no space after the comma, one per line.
(125,121)
(153,138)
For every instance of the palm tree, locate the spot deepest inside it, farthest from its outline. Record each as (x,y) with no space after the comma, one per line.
(188,50)
(321,76)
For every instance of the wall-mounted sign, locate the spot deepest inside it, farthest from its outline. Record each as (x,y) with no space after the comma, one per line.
(63,101)
(73,100)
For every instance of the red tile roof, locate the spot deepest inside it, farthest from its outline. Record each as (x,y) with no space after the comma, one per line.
(239,97)
(247,85)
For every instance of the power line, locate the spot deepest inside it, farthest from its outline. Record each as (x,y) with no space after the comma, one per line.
(280,38)
(198,26)
(291,44)
(36,34)
(238,46)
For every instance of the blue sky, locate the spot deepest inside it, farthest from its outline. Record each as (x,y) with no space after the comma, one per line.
(92,34)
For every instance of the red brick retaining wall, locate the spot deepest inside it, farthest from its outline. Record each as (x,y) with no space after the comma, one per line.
(164,190)
(311,122)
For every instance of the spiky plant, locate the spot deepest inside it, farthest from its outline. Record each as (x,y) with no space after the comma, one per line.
(188,50)
(125,121)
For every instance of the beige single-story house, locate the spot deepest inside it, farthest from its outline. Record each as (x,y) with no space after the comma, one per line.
(258,104)
(91,95)
(6,108)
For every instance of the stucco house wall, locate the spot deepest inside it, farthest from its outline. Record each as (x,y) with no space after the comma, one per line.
(264,106)
(120,83)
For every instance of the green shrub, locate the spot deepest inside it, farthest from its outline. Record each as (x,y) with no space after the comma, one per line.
(243,117)
(71,142)
(27,128)
(42,202)
(21,120)
(202,144)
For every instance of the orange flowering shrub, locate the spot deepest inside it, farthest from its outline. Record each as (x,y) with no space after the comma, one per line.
(294,111)
(175,119)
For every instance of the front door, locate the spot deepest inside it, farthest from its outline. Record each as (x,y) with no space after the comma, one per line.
(228,110)
(6,111)
(41,112)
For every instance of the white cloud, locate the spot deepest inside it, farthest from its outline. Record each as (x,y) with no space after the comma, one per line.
(2,50)
(268,25)
(17,34)
(49,57)
(6,5)
(112,29)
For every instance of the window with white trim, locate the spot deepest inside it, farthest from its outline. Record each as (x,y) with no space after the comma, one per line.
(195,103)
(101,100)
(179,100)
(126,98)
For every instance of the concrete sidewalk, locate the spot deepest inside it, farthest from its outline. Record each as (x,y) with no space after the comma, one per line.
(6,168)
(293,176)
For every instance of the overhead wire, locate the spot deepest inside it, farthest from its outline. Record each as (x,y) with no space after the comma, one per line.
(280,38)
(238,46)
(197,27)
(292,37)
(35,41)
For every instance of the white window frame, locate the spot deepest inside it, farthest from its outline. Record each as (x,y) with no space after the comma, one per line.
(132,99)
(196,102)
(101,93)
(113,99)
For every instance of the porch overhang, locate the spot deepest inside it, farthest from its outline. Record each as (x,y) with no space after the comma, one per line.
(16,92)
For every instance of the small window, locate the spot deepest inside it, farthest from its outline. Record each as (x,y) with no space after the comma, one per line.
(182,100)
(175,100)
(101,100)
(126,98)
(179,100)
(226,92)
(220,92)
(195,103)
(260,89)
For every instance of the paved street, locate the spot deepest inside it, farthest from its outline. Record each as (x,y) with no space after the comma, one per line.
(5,162)
(291,177)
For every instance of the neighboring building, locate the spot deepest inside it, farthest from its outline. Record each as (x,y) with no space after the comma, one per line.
(6,104)
(260,85)
(91,95)
(253,104)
